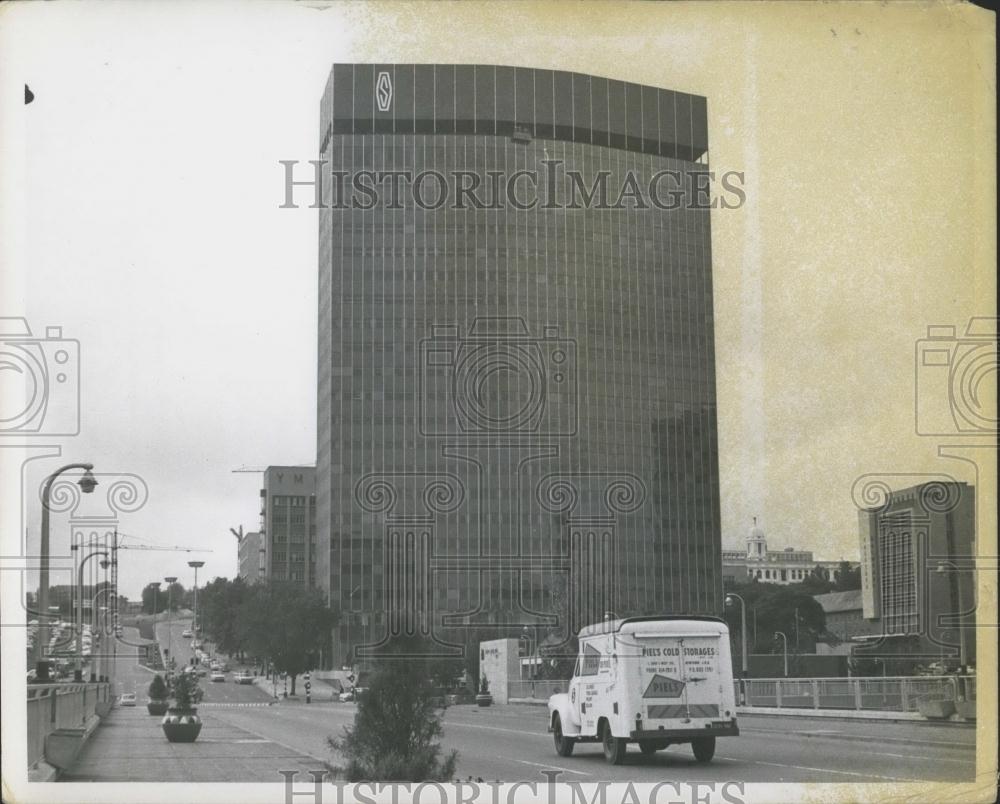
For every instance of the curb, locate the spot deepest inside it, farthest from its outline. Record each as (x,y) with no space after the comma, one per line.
(860,738)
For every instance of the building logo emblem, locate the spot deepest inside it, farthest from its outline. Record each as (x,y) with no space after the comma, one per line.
(383,91)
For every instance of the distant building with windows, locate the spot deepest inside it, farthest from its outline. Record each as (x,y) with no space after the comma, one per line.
(288,523)
(918,573)
(785,566)
(251,557)
(845,617)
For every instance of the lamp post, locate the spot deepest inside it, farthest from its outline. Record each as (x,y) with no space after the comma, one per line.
(784,643)
(87,484)
(170,581)
(195,565)
(102,662)
(730,597)
(955,593)
(78,674)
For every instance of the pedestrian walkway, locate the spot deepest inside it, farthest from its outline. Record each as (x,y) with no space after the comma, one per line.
(129,746)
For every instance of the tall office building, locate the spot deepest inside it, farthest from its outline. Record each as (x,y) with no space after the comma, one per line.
(516,394)
(288,524)
(918,572)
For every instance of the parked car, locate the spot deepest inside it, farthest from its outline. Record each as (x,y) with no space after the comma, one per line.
(346,696)
(218,675)
(127,699)
(186,633)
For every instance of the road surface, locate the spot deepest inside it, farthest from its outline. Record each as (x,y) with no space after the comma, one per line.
(248,737)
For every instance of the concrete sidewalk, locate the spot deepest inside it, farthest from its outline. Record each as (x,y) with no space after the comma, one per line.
(129,746)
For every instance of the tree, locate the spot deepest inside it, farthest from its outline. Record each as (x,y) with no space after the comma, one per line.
(285,622)
(221,613)
(158,690)
(774,607)
(397,726)
(174,595)
(847,578)
(186,691)
(154,600)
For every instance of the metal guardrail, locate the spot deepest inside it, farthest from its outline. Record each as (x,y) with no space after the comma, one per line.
(540,689)
(886,694)
(59,706)
(892,694)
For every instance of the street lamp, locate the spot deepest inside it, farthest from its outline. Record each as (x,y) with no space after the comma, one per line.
(86,484)
(784,642)
(78,674)
(955,593)
(170,580)
(102,663)
(195,565)
(730,597)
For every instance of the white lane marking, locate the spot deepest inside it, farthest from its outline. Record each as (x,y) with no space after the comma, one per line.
(971,761)
(519,732)
(551,767)
(823,770)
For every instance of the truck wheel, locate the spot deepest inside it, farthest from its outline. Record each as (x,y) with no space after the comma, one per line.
(564,745)
(614,747)
(704,748)
(652,746)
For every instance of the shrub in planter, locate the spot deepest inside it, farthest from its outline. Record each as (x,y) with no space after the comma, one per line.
(181,724)
(484,698)
(158,693)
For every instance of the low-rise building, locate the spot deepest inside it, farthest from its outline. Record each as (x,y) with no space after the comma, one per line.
(785,566)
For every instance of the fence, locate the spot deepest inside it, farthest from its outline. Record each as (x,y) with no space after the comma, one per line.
(59,706)
(894,694)
(539,690)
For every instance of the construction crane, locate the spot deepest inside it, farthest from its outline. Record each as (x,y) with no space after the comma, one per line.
(117,545)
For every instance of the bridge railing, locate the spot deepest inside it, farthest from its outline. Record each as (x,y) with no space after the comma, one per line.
(59,706)
(886,694)
(538,690)
(883,694)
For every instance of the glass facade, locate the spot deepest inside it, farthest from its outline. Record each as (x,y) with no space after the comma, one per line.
(517,411)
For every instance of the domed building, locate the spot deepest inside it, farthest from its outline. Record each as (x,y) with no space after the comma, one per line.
(785,566)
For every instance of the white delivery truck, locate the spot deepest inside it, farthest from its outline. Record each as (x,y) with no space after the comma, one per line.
(654,681)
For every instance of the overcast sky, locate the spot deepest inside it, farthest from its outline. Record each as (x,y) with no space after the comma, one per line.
(154,237)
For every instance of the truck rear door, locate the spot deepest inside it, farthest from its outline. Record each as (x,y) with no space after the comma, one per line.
(679,680)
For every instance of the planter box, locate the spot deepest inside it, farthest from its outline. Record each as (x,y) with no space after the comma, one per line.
(484,699)
(157,707)
(936,710)
(966,709)
(181,725)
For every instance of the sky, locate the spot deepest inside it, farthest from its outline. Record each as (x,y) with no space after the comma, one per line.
(148,187)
